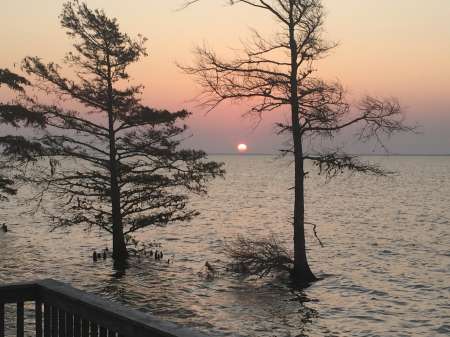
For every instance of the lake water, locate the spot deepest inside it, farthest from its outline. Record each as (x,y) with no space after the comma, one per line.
(385,262)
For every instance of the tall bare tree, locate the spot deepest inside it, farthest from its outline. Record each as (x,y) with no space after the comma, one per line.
(116,164)
(278,73)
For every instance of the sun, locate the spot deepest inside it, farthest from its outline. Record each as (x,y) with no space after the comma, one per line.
(242,147)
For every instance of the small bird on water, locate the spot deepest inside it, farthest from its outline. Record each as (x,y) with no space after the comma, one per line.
(4,228)
(210,267)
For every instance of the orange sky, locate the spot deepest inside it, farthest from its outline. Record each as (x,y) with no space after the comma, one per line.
(396,48)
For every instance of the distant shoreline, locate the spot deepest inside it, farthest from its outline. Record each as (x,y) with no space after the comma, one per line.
(352,154)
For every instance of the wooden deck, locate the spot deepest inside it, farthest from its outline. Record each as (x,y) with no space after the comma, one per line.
(63,311)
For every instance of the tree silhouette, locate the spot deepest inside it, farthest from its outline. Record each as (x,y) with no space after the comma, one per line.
(116,164)
(15,148)
(278,73)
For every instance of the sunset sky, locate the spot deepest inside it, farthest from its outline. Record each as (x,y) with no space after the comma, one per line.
(388,48)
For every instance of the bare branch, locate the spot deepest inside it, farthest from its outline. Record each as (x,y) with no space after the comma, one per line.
(332,164)
(259,256)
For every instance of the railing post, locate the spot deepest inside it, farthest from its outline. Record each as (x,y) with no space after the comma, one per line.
(76,326)
(20,319)
(103,332)
(69,324)
(85,328)
(94,329)
(47,317)
(2,319)
(54,321)
(38,317)
(62,323)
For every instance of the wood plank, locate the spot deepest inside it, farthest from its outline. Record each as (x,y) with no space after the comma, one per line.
(54,328)
(94,329)
(61,323)
(20,319)
(20,292)
(85,328)
(47,319)
(69,324)
(2,319)
(38,318)
(76,326)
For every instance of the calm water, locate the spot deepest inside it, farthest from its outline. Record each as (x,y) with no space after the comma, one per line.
(385,264)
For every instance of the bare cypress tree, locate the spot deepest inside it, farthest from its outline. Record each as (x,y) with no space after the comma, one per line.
(278,73)
(121,165)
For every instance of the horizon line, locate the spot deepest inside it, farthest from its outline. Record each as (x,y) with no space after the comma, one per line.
(351,154)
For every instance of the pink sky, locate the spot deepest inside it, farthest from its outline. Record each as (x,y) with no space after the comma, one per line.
(395,48)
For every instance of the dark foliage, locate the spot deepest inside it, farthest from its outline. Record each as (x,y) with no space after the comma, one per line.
(16,149)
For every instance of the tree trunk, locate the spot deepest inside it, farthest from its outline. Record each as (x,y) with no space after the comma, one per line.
(302,273)
(120,252)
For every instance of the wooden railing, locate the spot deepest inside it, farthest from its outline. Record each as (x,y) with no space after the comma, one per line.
(63,311)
